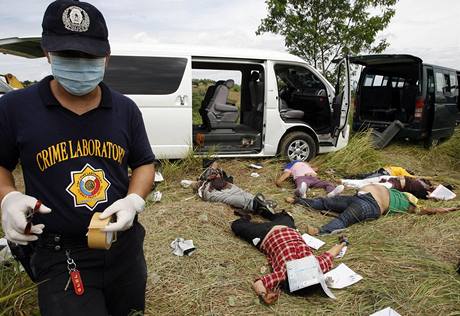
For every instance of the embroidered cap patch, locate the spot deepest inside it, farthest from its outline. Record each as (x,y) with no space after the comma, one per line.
(75,19)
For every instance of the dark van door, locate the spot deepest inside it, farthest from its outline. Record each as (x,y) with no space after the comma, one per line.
(445,108)
(389,89)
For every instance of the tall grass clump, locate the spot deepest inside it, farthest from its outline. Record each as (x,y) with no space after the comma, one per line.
(17,295)
(448,152)
(357,157)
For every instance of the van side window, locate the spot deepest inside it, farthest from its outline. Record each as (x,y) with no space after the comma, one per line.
(378,81)
(385,81)
(440,83)
(368,80)
(145,75)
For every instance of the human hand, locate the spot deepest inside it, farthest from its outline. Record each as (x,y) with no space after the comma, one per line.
(290,200)
(17,211)
(125,210)
(268,297)
(344,239)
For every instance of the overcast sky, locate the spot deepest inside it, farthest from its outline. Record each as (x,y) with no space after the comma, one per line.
(426,28)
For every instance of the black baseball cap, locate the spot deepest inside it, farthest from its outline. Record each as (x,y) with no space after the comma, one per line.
(76,26)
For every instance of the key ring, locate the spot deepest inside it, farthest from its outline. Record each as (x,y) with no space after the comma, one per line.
(71,265)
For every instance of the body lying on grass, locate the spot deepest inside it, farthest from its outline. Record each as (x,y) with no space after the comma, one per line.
(371,202)
(420,188)
(305,177)
(279,240)
(393,171)
(215,186)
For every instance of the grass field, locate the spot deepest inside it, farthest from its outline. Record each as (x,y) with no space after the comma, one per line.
(407,261)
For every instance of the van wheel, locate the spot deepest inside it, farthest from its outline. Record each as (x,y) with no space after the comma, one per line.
(298,146)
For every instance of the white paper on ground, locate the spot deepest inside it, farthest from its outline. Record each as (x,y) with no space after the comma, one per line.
(312,242)
(342,252)
(5,253)
(305,272)
(256,166)
(157,196)
(442,193)
(386,312)
(342,276)
(158,176)
(255,175)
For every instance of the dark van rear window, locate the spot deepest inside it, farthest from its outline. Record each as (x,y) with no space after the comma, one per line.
(145,75)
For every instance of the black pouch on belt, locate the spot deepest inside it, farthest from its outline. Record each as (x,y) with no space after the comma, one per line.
(23,254)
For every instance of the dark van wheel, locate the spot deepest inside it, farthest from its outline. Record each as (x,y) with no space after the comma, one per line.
(298,146)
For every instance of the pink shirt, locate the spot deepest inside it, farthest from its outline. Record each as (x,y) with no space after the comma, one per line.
(301,169)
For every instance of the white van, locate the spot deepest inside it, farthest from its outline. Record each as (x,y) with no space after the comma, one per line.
(280,104)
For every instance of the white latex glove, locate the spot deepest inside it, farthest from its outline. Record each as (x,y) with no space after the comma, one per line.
(15,206)
(125,210)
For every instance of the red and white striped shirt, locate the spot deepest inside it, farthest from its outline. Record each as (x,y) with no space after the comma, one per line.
(286,244)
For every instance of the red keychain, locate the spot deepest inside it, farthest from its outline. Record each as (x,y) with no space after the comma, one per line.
(74,276)
(77,282)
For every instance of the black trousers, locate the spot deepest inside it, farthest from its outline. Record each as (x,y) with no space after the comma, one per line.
(250,232)
(114,280)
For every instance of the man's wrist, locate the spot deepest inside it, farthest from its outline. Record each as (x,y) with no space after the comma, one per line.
(138,202)
(8,194)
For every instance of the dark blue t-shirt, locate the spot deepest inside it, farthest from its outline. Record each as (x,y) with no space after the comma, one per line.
(75,164)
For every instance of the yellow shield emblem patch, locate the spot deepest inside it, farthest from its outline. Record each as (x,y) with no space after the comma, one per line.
(88,187)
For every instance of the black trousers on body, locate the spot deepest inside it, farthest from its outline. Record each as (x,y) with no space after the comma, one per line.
(250,231)
(114,280)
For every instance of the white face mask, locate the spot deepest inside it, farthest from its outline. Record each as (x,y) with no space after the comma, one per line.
(78,76)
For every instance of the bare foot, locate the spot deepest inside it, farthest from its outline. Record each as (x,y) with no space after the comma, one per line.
(290,200)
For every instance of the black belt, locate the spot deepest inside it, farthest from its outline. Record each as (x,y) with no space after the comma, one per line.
(59,242)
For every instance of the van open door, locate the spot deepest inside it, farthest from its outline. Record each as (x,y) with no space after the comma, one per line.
(341,103)
(28,47)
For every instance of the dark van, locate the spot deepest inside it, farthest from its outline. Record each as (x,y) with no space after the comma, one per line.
(424,98)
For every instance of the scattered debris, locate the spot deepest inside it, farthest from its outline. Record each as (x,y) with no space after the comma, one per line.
(442,193)
(5,253)
(156,197)
(256,166)
(312,242)
(203,218)
(386,312)
(255,175)
(186,183)
(182,247)
(342,276)
(158,176)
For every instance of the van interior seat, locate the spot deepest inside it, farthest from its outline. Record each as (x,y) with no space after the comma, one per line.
(219,113)
(288,113)
(205,103)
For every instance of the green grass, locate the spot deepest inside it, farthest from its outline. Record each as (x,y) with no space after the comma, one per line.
(407,261)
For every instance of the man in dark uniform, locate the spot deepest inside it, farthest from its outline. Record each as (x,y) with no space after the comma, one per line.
(75,139)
